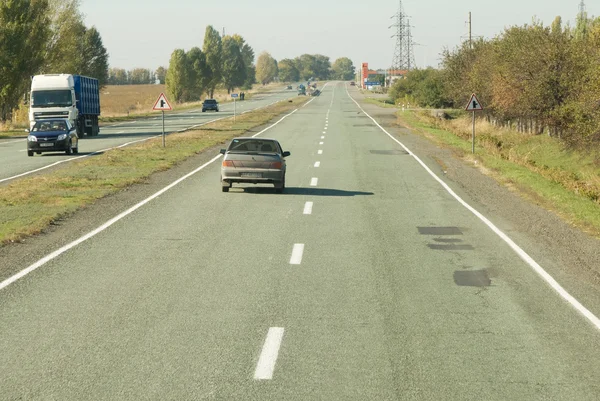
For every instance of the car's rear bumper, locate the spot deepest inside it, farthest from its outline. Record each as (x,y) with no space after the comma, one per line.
(251,176)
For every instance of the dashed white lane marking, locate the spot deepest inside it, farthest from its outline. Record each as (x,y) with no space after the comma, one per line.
(321,143)
(320,152)
(121,132)
(323,137)
(297,253)
(268,357)
(317,164)
(578,306)
(325,128)
(324,132)
(308,207)
(112,221)
(314,182)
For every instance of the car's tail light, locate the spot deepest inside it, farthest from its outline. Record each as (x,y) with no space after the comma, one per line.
(276,165)
(228,163)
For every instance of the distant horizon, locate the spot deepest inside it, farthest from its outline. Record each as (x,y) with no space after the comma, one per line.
(318,27)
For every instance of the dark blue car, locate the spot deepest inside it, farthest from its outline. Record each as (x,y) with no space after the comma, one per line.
(53,135)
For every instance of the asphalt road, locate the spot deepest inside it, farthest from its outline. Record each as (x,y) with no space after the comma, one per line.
(13,155)
(365,280)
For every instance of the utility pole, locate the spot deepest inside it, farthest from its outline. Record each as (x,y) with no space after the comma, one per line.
(470,32)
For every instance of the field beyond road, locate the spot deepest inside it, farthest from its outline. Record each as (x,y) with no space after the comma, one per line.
(129,100)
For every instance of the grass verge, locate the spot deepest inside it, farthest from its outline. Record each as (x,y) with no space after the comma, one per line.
(540,168)
(28,206)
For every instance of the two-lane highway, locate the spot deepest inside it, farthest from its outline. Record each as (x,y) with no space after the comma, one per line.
(14,162)
(365,280)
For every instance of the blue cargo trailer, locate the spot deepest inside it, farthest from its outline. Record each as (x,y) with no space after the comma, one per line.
(87,95)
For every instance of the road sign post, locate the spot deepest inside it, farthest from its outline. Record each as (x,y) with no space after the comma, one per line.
(474,105)
(162,104)
(234,96)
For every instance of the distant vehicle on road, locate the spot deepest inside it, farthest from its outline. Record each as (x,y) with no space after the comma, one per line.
(210,104)
(52,135)
(289,87)
(74,97)
(253,161)
(352,83)
(301,90)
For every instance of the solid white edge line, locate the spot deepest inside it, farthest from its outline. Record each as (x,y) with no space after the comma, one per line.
(518,250)
(297,253)
(268,356)
(314,182)
(308,206)
(115,219)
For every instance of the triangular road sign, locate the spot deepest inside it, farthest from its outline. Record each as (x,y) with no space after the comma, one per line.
(474,104)
(162,103)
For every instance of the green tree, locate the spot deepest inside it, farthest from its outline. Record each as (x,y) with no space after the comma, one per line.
(213,49)
(343,69)
(266,68)
(161,73)
(197,74)
(95,57)
(176,79)
(23,36)
(248,58)
(288,71)
(234,68)
(65,52)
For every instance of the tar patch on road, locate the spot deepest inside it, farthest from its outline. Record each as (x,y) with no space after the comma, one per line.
(388,152)
(446,244)
(475,278)
(440,231)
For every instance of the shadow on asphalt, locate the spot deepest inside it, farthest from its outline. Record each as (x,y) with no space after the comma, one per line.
(304,191)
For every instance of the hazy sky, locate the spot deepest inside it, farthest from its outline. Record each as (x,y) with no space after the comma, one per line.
(143,33)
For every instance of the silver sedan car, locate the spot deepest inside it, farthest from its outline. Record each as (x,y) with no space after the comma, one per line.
(253,161)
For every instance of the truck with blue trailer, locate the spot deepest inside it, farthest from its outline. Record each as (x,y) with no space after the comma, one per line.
(74,97)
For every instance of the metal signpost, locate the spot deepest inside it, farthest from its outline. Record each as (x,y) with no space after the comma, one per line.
(162,104)
(234,96)
(474,105)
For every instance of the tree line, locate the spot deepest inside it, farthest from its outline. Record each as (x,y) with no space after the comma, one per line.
(534,78)
(44,37)
(136,76)
(228,62)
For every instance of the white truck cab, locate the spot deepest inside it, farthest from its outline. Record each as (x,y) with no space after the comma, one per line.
(53,96)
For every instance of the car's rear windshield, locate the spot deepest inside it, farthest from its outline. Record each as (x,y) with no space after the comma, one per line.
(253,145)
(210,101)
